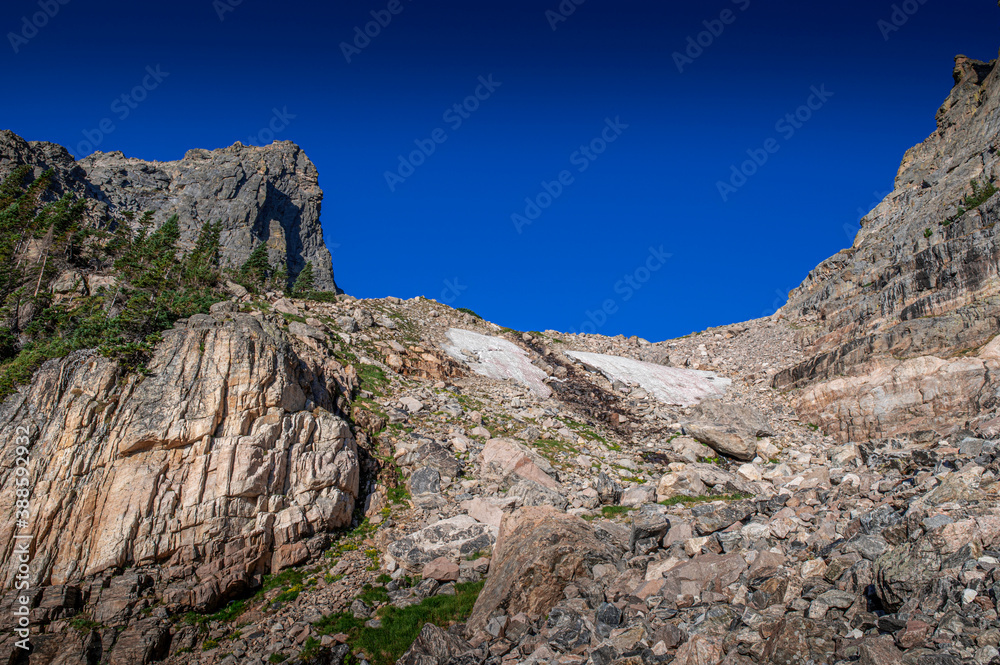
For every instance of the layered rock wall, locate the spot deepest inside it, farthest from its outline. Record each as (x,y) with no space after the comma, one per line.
(884,321)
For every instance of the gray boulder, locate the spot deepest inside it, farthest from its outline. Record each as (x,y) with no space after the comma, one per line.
(727,428)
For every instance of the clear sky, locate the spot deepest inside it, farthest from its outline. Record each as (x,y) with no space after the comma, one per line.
(576,186)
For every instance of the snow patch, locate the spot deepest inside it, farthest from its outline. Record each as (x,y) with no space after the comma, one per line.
(496,358)
(670,385)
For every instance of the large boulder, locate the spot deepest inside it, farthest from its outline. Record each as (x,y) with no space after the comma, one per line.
(453,538)
(529,493)
(700,650)
(432,454)
(507,460)
(434,646)
(489,510)
(905,571)
(727,428)
(539,552)
(909,570)
(709,572)
(800,641)
(683,482)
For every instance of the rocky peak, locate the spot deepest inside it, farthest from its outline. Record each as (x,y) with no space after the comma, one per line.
(267,194)
(43,156)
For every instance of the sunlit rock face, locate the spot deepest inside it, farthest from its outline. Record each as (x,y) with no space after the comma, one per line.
(919,286)
(217,464)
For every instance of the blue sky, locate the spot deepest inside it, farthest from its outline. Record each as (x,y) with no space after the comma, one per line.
(576,184)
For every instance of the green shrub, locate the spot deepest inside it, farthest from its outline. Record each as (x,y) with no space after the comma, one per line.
(980,194)
(306,280)
(156,286)
(466,310)
(310,649)
(256,270)
(288,595)
(320,296)
(84,624)
(371,595)
(400,627)
(230,612)
(289,577)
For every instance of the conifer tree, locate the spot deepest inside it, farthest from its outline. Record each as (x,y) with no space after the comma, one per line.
(201,266)
(305,282)
(255,270)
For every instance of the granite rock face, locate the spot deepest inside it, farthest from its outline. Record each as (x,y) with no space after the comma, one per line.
(883,320)
(267,195)
(215,466)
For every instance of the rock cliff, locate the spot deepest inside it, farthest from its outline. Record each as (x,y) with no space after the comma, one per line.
(217,466)
(267,195)
(900,318)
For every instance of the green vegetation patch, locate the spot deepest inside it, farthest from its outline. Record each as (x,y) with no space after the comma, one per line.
(288,595)
(371,595)
(980,194)
(372,378)
(615,511)
(400,627)
(84,624)
(230,612)
(320,296)
(156,284)
(310,649)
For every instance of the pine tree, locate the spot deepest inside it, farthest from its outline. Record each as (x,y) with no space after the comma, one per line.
(201,266)
(254,272)
(305,282)
(12,187)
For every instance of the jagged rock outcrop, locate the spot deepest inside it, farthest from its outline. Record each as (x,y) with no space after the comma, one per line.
(918,288)
(218,465)
(267,195)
